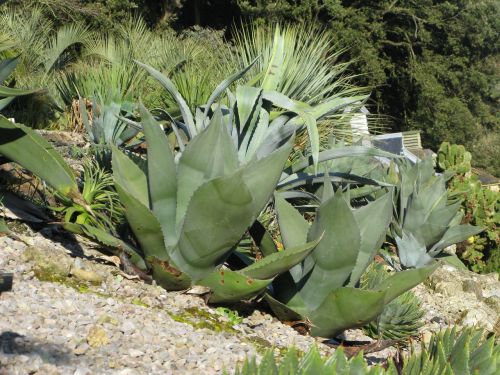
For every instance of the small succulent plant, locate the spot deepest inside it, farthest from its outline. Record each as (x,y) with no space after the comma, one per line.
(401,318)
(449,352)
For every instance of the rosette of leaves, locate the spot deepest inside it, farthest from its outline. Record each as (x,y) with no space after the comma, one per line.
(323,290)
(454,352)
(286,114)
(102,207)
(108,126)
(401,318)
(425,223)
(448,352)
(310,363)
(189,215)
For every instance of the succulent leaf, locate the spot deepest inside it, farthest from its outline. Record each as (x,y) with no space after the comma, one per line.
(232,286)
(209,155)
(25,147)
(162,176)
(130,176)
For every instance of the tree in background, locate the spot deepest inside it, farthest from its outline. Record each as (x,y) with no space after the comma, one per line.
(433,64)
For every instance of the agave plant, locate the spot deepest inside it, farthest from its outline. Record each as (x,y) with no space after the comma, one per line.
(310,363)
(401,318)
(286,115)
(323,290)
(188,216)
(454,352)
(425,223)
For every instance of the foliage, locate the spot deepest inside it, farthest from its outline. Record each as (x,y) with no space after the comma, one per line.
(44,51)
(192,221)
(310,363)
(299,61)
(7,93)
(448,352)
(232,315)
(401,318)
(453,352)
(481,207)
(425,222)
(452,157)
(323,289)
(102,207)
(25,147)
(433,65)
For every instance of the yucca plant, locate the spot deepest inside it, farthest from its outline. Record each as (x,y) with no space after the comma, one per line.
(425,222)
(300,62)
(401,318)
(324,289)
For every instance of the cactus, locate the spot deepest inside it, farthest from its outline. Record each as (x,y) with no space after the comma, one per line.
(481,207)
(454,157)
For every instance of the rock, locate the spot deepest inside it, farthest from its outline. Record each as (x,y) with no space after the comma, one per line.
(81,349)
(86,275)
(83,370)
(135,353)
(494,303)
(448,288)
(476,317)
(108,319)
(453,296)
(472,286)
(97,337)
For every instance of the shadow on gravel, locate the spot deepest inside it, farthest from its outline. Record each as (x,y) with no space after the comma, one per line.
(12,343)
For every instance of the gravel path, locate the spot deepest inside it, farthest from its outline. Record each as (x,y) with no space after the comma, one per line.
(117,326)
(72,311)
